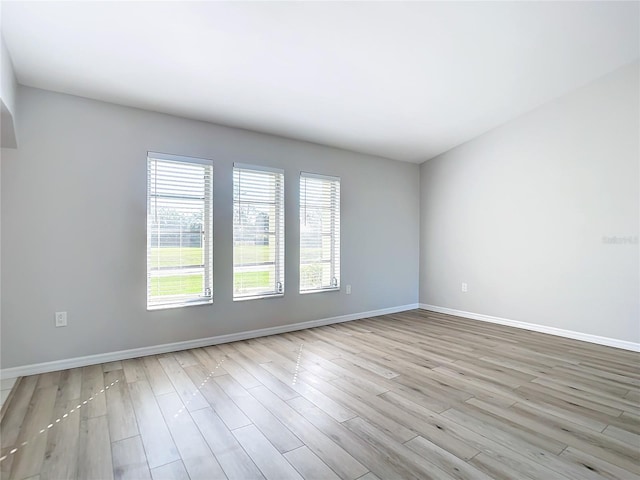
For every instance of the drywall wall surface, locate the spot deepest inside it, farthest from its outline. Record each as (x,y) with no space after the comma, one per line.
(74,230)
(8,87)
(8,84)
(540,216)
(2,150)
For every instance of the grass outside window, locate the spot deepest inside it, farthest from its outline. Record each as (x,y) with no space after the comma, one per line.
(192,283)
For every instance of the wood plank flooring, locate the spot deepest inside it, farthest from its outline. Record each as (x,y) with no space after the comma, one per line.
(415,395)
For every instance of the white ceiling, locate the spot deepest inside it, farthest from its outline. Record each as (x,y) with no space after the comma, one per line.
(401,80)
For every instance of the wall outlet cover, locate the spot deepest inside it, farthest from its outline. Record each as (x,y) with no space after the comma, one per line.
(61,319)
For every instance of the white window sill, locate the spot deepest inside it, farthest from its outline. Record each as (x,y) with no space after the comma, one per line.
(167,306)
(258,297)
(320,290)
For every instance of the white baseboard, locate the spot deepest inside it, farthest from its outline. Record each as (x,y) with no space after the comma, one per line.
(38,368)
(586,337)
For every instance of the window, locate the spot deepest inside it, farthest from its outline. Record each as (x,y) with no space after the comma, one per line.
(319,233)
(258,232)
(179,231)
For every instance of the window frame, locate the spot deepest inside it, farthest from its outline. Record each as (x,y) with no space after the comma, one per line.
(335,220)
(279,232)
(184,300)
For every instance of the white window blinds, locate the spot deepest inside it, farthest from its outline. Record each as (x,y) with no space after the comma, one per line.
(258,232)
(319,233)
(179,231)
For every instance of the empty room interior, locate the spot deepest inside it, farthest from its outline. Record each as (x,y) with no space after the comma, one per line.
(320,240)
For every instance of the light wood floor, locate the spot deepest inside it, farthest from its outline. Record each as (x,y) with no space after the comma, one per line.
(414,395)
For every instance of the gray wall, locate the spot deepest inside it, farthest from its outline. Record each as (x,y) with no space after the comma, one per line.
(8,87)
(74,234)
(8,84)
(520,214)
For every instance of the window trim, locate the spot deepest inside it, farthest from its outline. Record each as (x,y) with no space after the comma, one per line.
(207,227)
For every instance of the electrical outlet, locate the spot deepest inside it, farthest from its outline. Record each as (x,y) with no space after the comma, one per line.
(465,288)
(348,289)
(61,319)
